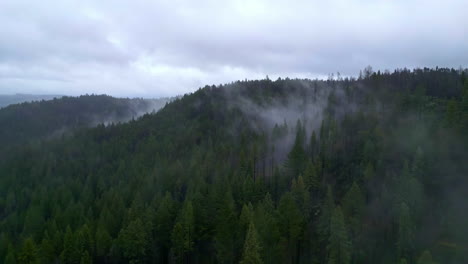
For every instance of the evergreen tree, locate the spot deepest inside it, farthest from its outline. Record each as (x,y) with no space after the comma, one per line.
(85,258)
(313,145)
(245,218)
(339,247)
(47,250)
(353,209)
(405,232)
(163,224)
(291,224)
(297,157)
(251,254)
(267,226)
(103,242)
(224,238)
(301,196)
(327,208)
(425,258)
(403,261)
(28,253)
(10,256)
(183,233)
(311,179)
(133,241)
(70,253)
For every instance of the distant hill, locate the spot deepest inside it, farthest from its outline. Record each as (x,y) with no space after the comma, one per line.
(30,121)
(8,99)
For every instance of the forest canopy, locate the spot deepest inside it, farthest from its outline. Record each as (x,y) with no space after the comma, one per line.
(345,170)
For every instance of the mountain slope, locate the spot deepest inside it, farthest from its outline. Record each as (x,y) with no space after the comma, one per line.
(369,170)
(39,120)
(6,99)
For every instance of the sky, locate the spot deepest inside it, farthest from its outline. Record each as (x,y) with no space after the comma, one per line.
(143,48)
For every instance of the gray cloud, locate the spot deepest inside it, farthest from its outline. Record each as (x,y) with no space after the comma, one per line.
(160,48)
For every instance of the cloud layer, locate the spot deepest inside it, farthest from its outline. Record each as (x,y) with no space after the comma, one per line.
(168,47)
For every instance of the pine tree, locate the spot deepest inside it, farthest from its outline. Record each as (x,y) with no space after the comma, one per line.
(103,242)
(245,218)
(353,209)
(28,253)
(425,258)
(325,216)
(47,250)
(133,241)
(301,196)
(266,222)
(164,223)
(10,256)
(311,179)
(70,253)
(297,157)
(313,145)
(291,224)
(85,258)
(403,261)
(226,222)
(252,247)
(339,247)
(183,233)
(405,232)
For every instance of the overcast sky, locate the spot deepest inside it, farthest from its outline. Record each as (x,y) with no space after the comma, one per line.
(162,48)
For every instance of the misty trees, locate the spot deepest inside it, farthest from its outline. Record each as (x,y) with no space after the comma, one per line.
(297,156)
(179,185)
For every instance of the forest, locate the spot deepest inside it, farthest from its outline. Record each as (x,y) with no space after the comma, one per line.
(346,170)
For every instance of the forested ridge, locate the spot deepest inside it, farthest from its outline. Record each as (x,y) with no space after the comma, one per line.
(29,122)
(366,170)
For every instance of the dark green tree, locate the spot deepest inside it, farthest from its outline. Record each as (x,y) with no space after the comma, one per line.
(183,233)
(133,241)
(425,258)
(405,242)
(70,253)
(339,246)
(297,158)
(291,225)
(251,254)
(28,253)
(10,256)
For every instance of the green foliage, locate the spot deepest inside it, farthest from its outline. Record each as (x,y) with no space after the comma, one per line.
(185,184)
(425,258)
(251,254)
(226,222)
(339,246)
(10,256)
(28,253)
(133,241)
(324,221)
(183,232)
(405,242)
(297,157)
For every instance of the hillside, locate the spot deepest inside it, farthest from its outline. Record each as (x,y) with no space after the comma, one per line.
(7,99)
(38,120)
(368,170)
